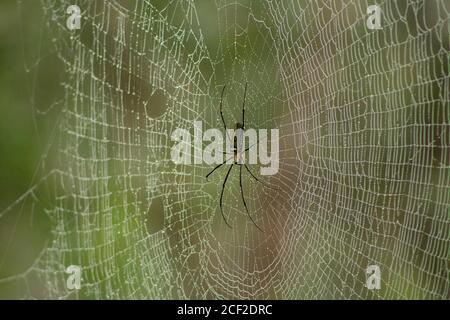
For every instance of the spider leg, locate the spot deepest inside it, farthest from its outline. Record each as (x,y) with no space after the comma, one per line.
(221,195)
(217,167)
(243,199)
(243,107)
(221,113)
(254,177)
(250,147)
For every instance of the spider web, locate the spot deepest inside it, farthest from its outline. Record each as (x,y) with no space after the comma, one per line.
(364,151)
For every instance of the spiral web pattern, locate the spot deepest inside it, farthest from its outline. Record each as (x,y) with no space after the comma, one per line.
(364,151)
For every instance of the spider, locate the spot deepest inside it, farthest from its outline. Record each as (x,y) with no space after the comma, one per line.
(238,156)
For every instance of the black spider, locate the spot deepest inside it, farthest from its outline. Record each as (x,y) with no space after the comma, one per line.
(238,155)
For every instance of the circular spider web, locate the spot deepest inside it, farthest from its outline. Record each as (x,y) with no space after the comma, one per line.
(363,117)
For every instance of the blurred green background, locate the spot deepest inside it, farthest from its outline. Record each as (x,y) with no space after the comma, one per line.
(26,86)
(153,230)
